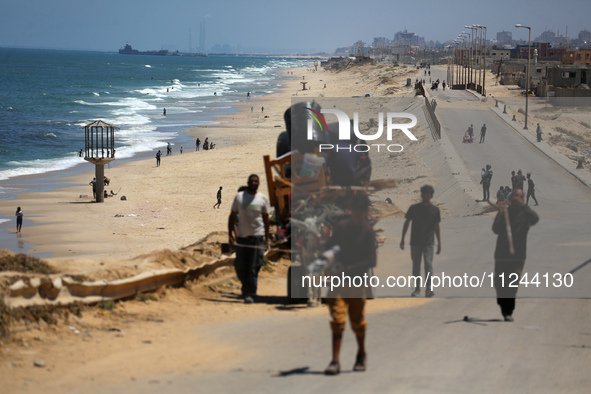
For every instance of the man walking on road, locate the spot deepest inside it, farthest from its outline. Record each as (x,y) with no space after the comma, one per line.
(357,255)
(531,192)
(253,235)
(482,133)
(425,219)
(510,254)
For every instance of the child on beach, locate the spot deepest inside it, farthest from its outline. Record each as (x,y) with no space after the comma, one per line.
(19,219)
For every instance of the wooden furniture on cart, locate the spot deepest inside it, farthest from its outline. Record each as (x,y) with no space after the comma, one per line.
(280,186)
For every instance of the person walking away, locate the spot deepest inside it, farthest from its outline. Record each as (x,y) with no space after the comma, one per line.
(158,156)
(425,219)
(197,143)
(509,263)
(539,133)
(531,192)
(252,235)
(219,197)
(482,133)
(19,219)
(355,241)
(485,182)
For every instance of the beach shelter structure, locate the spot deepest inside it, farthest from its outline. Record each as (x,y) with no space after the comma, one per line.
(99,149)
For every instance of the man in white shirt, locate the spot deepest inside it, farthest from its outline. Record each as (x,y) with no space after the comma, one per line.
(252,209)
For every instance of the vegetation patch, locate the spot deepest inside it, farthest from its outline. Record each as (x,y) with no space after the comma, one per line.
(25,264)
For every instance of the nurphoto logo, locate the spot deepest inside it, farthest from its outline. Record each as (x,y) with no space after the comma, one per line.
(344,130)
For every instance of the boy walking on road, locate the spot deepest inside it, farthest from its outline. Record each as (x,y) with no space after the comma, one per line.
(425,217)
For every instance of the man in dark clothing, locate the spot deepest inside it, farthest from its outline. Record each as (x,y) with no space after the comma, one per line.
(513,179)
(482,133)
(531,192)
(485,182)
(425,219)
(509,266)
(219,197)
(519,180)
(356,256)
(197,143)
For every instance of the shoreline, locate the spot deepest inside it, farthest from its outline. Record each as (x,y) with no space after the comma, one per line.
(37,187)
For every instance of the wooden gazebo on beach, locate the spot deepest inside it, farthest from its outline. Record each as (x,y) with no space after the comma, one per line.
(99,149)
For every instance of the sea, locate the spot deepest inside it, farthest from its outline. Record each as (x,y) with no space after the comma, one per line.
(48,96)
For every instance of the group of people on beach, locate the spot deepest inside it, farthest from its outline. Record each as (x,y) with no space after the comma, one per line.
(106,182)
(207,145)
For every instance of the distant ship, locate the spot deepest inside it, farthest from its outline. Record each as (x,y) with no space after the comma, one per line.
(128,50)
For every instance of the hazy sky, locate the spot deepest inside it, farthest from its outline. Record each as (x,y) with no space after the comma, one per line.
(270,25)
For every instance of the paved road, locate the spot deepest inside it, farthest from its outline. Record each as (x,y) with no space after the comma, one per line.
(431,348)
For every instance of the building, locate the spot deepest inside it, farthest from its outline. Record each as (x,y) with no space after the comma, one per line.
(504,37)
(544,51)
(495,54)
(577,57)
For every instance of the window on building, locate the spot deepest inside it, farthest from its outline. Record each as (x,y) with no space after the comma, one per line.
(539,70)
(568,74)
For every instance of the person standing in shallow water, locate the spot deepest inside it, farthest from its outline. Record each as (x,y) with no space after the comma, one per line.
(19,219)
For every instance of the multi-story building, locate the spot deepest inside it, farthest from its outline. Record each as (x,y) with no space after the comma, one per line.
(504,37)
(577,57)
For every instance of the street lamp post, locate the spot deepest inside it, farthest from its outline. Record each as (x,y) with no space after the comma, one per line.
(479,55)
(527,70)
(465,62)
(484,64)
(472,77)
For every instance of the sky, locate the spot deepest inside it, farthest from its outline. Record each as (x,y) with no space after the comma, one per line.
(271,26)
